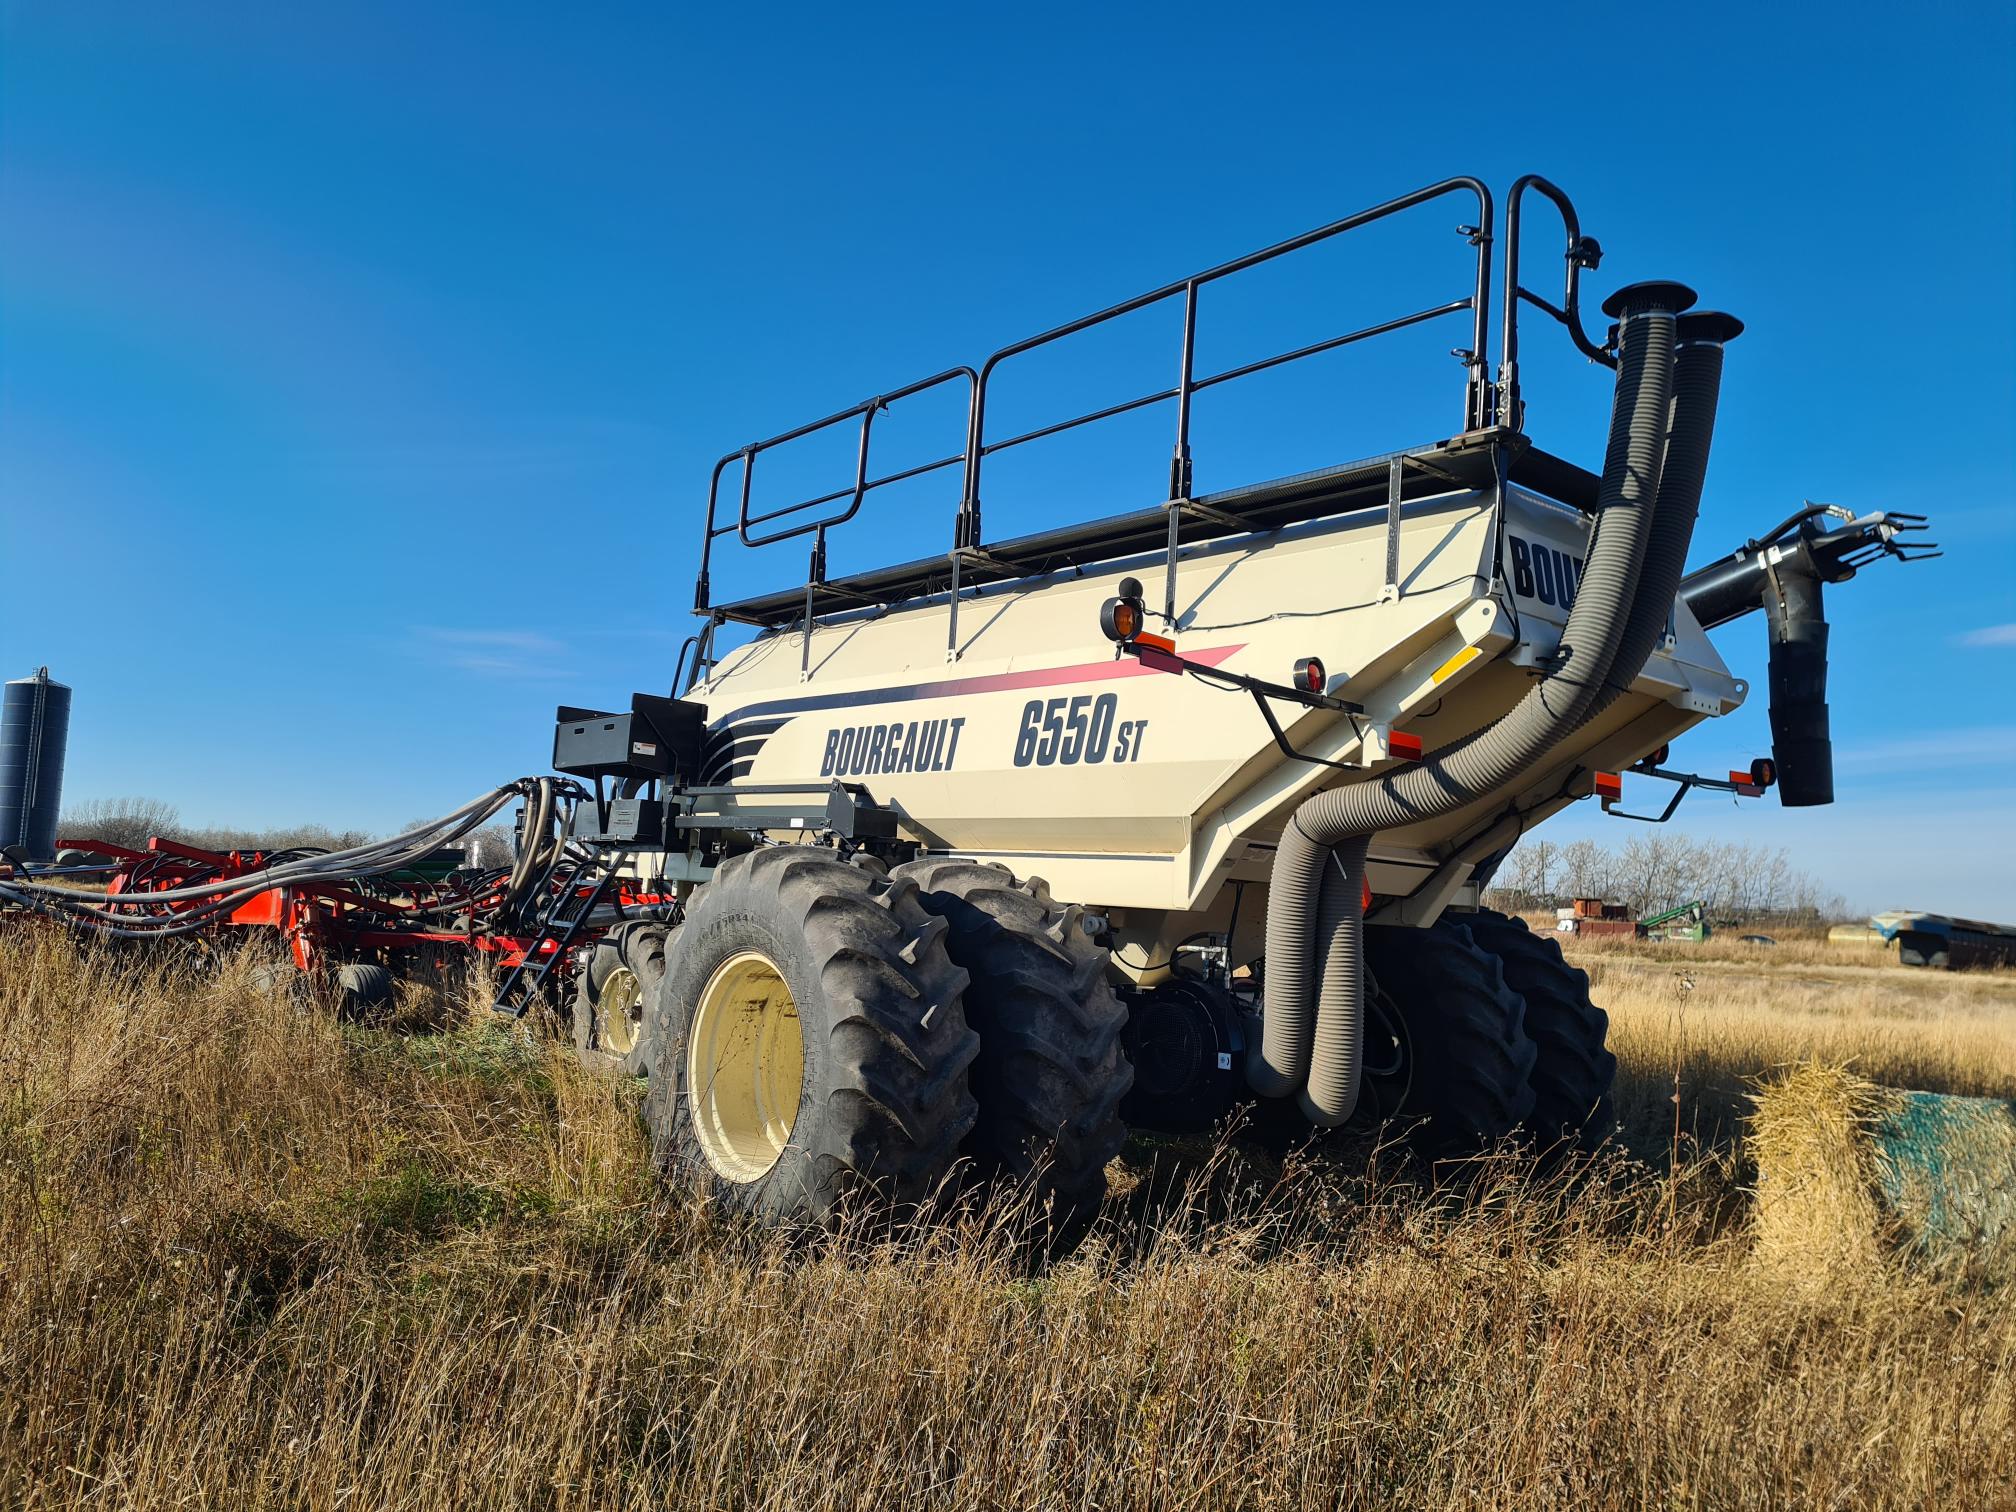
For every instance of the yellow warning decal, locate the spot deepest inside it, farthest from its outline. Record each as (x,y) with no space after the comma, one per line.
(1455,664)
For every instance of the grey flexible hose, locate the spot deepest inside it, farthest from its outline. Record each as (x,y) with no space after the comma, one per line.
(364,860)
(209,898)
(1337,1048)
(1699,337)
(1292,1051)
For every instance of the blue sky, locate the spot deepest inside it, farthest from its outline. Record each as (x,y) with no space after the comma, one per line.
(361,365)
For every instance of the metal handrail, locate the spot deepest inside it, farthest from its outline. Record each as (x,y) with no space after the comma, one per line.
(866,410)
(1486,403)
(967,533)
(1581,252)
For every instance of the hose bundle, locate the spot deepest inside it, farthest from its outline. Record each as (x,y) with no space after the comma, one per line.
(196,905)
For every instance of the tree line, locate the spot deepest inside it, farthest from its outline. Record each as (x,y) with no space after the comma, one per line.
(131,822)
(1653,872)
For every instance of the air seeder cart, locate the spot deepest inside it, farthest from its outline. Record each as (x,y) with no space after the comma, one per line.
(999,851)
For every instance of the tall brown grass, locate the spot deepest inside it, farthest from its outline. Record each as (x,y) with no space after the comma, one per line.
(1718,1016)
(252,1259)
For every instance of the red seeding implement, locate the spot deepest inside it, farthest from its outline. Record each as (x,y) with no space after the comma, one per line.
(367,914)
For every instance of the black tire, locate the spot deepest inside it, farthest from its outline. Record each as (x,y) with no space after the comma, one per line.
(1459,1077)
(1052,1070)
(1573,1070)
(362,990)
(639,949)
(883,1103)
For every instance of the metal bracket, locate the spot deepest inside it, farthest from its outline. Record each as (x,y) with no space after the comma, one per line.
(1686,783)
(1209,512)
(847,810)
(1394,475)
(1262,691)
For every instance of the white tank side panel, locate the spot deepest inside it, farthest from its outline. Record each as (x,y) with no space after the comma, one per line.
(1041,748)
(1126,787)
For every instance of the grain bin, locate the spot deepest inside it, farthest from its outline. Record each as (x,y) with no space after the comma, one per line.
(34,730)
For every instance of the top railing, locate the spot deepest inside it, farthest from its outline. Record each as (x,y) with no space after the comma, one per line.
(1486,403)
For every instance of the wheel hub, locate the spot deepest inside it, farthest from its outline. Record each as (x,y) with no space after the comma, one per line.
(745,1067)
(619,1011)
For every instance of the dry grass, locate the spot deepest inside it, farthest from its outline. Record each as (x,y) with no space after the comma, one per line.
(1717,1016)
(253,1260)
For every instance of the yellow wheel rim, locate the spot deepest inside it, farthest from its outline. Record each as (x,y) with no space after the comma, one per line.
(745,1065)
(619,1011)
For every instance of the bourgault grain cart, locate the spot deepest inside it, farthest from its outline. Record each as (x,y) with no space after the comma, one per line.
(997,852)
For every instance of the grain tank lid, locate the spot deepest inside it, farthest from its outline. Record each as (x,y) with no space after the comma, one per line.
(42,677)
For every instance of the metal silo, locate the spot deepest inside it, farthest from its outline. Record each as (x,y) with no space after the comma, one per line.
(34,730)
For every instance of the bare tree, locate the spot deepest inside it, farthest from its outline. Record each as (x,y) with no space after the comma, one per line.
(1585,870)
(1655,871)
(489,846)
(130,822)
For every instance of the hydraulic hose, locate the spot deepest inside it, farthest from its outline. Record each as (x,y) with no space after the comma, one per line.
(114,914)
(1293,1050)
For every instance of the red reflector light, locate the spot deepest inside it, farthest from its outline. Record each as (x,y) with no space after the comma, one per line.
(1154,642)
(1609,786)
(1745,788)
(1365,903)
(1310,676)
(1157,660)
(1403,747)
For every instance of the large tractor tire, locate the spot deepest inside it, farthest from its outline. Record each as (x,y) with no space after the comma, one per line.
(808,1040)
(609,997)
(1052,1070)
(1447,1053)
(1573,1070)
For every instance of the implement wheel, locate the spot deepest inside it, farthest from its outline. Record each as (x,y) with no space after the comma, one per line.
(808,1041)
(1052,1070)
(363,990)
(1573,1071)
(1446,1047)
(609,998)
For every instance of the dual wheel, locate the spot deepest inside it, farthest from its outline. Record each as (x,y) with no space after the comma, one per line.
(824,1029)
(1478,1030)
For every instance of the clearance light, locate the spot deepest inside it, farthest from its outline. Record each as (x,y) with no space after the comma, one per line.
(1123,615)
(1609,787)
(1763,772)
(1310,676)
(1365,901)
(1120,619)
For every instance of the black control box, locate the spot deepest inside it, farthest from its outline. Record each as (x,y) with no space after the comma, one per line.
(630,821)
(659,737)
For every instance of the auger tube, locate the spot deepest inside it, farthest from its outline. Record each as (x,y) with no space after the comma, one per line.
(1598,625)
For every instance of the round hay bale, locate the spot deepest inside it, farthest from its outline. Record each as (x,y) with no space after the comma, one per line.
(1852,1176)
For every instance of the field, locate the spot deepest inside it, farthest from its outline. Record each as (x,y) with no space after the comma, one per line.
(255,1259)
